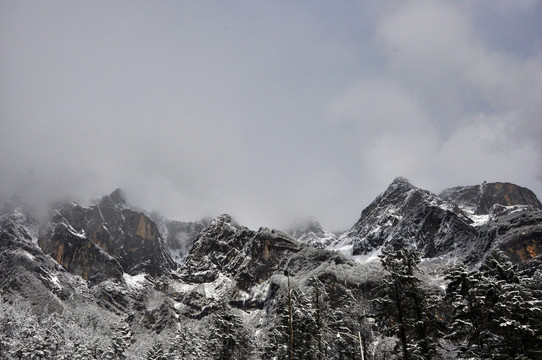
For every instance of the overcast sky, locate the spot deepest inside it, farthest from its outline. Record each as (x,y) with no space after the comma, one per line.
(267,110)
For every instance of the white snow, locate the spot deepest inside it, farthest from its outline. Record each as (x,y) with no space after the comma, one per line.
(367,258)
(345,249)
(55,281)
(211,290)
(24,253)
(218,288)
(136,281)
(376,229)
(374,256)
(479,220)
(182,287)
(80,235)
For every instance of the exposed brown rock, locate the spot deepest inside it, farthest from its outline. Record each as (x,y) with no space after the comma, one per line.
(504,194)
(78,254)
(482,198)
(109,226)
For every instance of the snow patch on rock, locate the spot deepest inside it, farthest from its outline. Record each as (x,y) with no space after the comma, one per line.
(135,282)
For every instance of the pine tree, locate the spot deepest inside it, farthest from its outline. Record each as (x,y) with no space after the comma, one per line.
(467,300)
(322,312)
(156,352)
(516,314)
(83,352)
(305,326)
(402,304)
(188,344)
(229,337)
(120,340)
(496,312)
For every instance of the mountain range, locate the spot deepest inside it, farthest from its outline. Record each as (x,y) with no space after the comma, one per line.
(109,280)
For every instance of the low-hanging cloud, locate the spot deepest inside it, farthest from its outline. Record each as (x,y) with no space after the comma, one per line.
(267,111)
(446,108)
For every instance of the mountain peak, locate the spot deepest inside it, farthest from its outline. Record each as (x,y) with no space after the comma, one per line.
(401,180)
(304,226)
(223,219)
(116,199)
(400,184)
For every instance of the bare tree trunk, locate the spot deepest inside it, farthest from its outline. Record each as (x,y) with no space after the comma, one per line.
(290,325)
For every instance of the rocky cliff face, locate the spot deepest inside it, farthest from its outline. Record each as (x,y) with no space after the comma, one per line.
(406,215)
(78,254)
(107,232)
(249,257)
(517,233)
(248,269)
(479,199)
(462,222)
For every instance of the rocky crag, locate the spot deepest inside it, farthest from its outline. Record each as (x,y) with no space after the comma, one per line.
(463,222)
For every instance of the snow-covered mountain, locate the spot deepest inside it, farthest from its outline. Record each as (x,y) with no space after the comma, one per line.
(460,222)
(109,281)
(311,232)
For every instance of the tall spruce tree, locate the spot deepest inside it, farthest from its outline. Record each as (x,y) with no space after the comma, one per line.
(229,336)
(319,304)
(156,352)
(401,304)
(466,297)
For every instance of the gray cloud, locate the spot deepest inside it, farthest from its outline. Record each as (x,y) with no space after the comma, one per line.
(267,111)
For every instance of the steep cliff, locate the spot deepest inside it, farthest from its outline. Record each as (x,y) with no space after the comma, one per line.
(250,257)
(479,199)
(78,235)
(463,222)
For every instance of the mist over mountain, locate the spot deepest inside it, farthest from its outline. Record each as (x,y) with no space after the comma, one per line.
(198,110)
(256,146)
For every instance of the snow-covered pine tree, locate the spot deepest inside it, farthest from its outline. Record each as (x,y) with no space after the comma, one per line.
(188,344)
(515,320)
(320,304)
(496,312)
(467,303)
(305,327)
(120,340)
(401,304)
(156,352)
(82,351)
(229,336)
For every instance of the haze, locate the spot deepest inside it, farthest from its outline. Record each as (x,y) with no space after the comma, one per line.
(266,110)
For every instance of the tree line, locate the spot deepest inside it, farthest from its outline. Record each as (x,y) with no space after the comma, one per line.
(493,311)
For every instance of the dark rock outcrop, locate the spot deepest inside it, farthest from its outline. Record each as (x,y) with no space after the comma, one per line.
(465,222)
(25,269)
(248,256)
(231,261)
(518,234)
(481,198)
(110,226)
(78,254)
(405,215)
